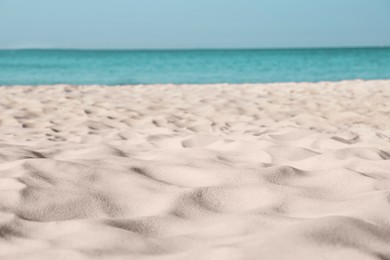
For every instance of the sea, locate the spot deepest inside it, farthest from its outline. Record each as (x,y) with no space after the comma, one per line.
(126,67)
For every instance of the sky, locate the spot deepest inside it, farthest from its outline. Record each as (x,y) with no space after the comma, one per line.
(191,24)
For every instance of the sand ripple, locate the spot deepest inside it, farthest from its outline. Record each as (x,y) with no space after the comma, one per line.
(284,171)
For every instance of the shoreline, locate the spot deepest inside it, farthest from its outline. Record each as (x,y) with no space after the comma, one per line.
(209,84)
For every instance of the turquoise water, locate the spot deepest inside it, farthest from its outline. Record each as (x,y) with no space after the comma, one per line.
(35,67)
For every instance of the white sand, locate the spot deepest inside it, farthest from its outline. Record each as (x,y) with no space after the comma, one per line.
(280,171)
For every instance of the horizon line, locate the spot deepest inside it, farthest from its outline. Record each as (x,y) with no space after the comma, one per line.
(194,49)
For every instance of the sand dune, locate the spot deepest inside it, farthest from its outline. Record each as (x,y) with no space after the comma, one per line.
(277,171)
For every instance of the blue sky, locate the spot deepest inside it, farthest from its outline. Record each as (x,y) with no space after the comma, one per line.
(170,24)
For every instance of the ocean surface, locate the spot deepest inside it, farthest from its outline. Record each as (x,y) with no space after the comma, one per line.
(36,67)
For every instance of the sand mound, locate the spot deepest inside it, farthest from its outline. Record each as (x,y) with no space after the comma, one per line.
(280,171)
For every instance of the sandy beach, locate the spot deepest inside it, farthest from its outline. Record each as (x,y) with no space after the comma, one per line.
(261,171)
